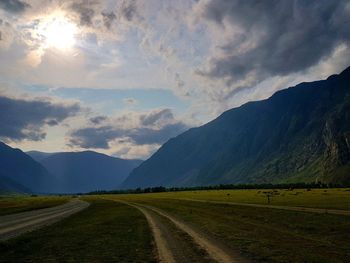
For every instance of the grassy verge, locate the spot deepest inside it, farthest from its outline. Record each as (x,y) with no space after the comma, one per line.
(316,198)
(266,235)
(105,232)
(16,204)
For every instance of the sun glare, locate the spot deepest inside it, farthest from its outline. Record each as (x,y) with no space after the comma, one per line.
(58,32)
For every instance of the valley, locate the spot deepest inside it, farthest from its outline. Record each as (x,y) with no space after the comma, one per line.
(192,131)
(196,226)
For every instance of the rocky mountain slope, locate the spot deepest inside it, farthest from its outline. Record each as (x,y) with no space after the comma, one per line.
(301,134)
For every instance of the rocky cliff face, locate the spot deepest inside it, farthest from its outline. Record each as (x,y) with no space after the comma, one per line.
(337,152)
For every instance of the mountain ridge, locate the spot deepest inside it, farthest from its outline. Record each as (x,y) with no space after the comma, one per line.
(299,134)
(38,155)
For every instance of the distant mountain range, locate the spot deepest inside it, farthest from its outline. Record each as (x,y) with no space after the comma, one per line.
(301,134)
(86,171)
(66,172)
(39,156)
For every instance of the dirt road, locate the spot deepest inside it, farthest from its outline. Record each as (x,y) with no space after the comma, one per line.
(17,224)
(290,208)
(201,248)
(164,251)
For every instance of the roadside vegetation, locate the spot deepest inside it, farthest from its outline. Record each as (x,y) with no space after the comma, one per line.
(105,232)
(17,203)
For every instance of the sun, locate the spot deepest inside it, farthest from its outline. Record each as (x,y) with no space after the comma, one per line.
(58,32)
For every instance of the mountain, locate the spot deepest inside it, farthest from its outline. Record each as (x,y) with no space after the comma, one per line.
(301,134)
(87,171)
(7,185)
(39,156)
(20,173)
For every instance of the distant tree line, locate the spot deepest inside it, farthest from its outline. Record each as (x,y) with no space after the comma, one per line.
(161,189)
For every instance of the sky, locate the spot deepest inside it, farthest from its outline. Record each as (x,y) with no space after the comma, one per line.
(122,77)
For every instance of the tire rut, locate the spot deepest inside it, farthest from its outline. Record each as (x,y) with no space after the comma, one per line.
(164,252)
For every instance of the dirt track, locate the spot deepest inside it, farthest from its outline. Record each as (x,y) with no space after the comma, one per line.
(214,252)
(164,252)
(290,208)
(17,224)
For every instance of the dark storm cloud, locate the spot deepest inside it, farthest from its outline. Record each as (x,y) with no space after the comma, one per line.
(25,119)
(285,36)
(155,127)
(14,6)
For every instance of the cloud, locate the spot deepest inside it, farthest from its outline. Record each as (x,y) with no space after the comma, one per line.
(6,35)
(154,127)
(98,119)
(128,10)
(214,55)
(272,38)
(108,18)
(14,6)
(99,137)
(130,101)
(94,137)
(156,117)
(91,13)
(135,151)
(85,10)
(156,136)
(26,119)
(129,151)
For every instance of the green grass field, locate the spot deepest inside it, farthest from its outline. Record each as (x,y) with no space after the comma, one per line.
(316,198)
(16,204)
(263,234)
(113,232)
(105,232)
